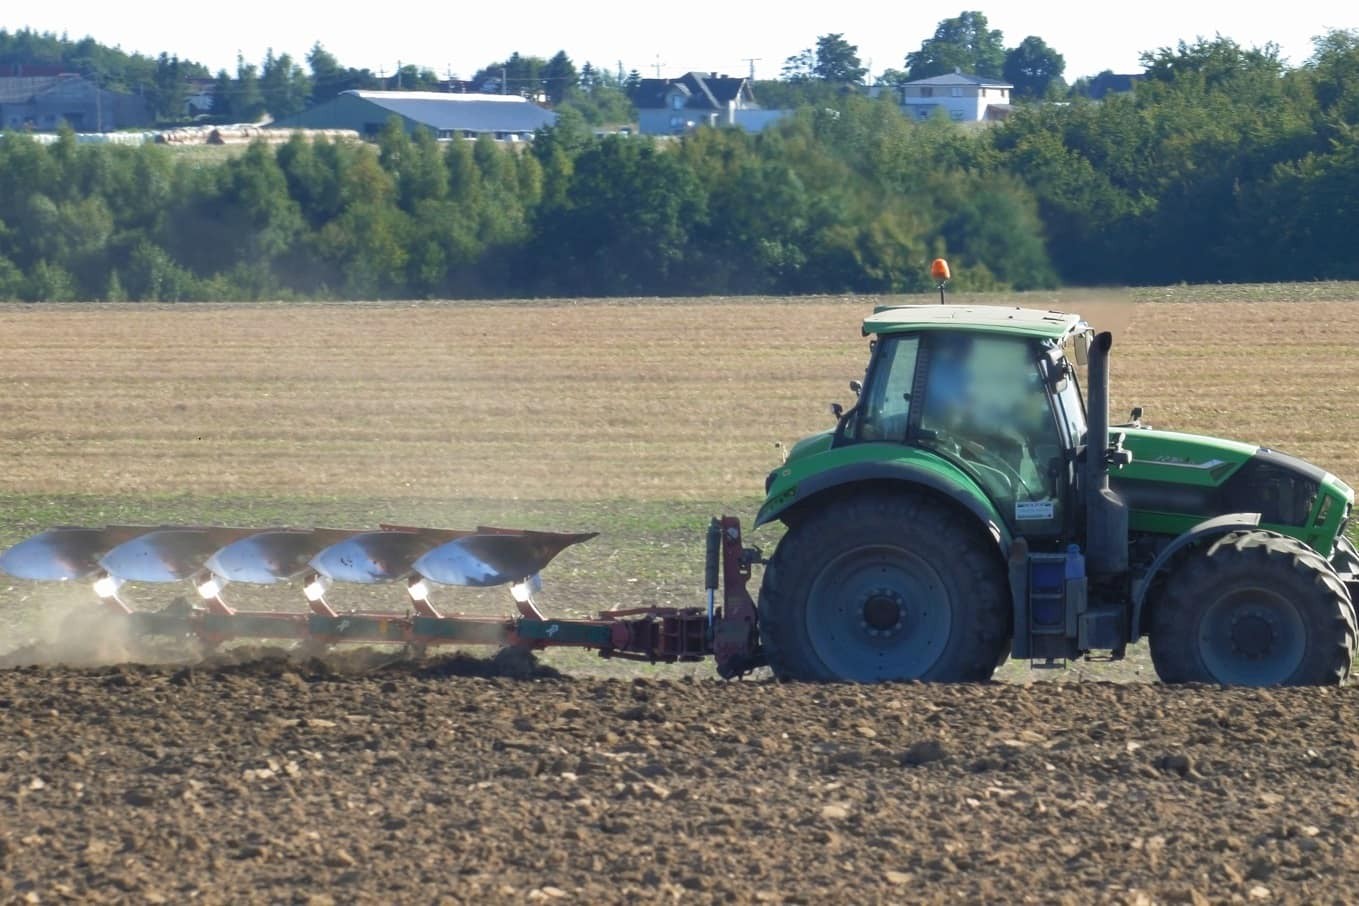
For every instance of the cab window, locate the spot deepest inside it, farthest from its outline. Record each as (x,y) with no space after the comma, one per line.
(987,409)
(884,409)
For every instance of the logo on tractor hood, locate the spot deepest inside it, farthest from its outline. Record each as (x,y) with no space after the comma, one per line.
(1167,460)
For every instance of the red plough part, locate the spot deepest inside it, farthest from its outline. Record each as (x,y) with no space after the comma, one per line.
(213,557)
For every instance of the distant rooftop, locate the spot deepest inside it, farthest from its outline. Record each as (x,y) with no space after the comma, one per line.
(441,96)
(961,78)
(477,112)
(705,91)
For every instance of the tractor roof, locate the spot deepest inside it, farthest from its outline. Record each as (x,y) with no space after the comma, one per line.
(1023,322)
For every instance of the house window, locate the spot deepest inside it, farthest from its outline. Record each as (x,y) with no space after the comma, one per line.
(957,115)
(956,92)
(927,92)
(445,133)
(923,112)
(468,133)
(676,102)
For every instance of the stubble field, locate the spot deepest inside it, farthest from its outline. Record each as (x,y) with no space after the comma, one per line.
(273,782)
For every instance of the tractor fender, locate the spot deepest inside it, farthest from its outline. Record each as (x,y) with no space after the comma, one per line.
(905,473)
(1209,528)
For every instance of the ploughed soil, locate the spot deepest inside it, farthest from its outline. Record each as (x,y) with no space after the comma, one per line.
(473,781)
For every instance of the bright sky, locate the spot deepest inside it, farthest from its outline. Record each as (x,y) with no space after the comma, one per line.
(698,34)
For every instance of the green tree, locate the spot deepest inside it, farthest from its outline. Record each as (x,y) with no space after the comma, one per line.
(1034,68)
(963,43)
(284,85)
(560,78)
(108,67)
(12,281)
(837,60)
(516,75)
(556,148)
(1210,63)
(48,282)
(327,79)
(626,225)
(1334,68)
(171,89)
(247,100)
(223,92)
(800,67)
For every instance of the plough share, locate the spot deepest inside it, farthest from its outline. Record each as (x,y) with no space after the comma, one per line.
(423,559)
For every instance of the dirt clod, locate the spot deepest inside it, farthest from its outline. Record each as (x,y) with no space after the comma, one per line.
(379,781)
(924,752)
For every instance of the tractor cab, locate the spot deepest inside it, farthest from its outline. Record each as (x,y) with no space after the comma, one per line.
(1004,408)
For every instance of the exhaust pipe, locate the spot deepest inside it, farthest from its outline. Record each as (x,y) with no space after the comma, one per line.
(1106,515)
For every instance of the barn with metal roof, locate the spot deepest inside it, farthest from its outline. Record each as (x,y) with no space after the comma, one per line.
(502,116)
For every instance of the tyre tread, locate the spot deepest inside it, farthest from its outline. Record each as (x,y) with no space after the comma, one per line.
(1224,558)
(978,572)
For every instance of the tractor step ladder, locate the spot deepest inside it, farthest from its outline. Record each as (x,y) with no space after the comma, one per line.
(1048,610)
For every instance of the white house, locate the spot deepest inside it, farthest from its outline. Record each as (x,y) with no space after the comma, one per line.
(677,106)
(963,98)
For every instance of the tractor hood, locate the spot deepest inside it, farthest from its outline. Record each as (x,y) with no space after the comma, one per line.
(811,445)
(1176,480)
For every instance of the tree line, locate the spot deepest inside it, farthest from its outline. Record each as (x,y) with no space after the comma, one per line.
(1223,165)
(281,85)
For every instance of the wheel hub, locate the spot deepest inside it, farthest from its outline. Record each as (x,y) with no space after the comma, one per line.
(1252,634)
(883,613)
(878,612)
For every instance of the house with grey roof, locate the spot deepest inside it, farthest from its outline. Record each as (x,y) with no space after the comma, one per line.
(505,117)
(962,97)
(42,103)
(677,106)
(1108,82)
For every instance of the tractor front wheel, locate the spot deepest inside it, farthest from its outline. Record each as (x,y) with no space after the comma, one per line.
(872,588)
(1253,609)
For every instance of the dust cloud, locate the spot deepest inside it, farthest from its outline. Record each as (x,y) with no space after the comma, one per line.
(64,626)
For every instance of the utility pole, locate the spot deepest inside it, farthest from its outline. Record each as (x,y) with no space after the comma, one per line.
(657,66)
(503,87)
(398,75)
(752,61)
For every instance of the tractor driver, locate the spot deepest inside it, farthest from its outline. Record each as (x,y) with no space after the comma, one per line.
(985,401)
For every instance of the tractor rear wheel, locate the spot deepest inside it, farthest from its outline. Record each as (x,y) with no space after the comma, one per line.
(1253,609)
(872,588)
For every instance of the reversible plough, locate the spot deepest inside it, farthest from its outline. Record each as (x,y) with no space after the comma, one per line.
(423,559)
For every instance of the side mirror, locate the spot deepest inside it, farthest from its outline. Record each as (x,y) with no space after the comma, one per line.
(857,387)
(1052,370)
(1082,349)
(837,410)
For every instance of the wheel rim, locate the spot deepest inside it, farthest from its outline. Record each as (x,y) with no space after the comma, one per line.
(878,613)
(1252,637)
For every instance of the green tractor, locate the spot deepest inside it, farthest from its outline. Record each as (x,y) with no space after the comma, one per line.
(974,504)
